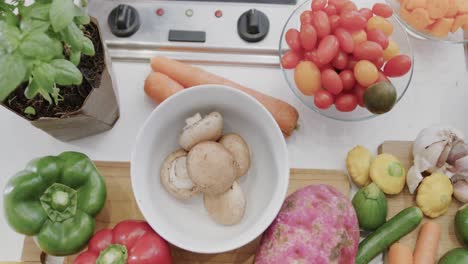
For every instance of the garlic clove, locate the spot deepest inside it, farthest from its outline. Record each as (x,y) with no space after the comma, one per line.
(428,157)
(459,150)
(413,178)
(461,166)
(460,191)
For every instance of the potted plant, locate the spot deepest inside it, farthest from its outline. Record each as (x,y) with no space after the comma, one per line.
(55,70)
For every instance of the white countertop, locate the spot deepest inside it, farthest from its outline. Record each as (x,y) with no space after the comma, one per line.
(436,95)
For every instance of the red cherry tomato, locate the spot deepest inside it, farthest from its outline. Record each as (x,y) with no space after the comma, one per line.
(334,22)
(290,59)
(321,24)
(348,6)
(347,78)
(313,57)
(318,5)
(382,77)
(346,102)
(368,50)
(397,66)
(353,20)
(379,62)
(327,49)
(345,39)
(366,12)
(351,62)
(306,17)
(331,81)
(326,67)
(383,10)
(293,39)
(308,37)
(330,10)
(323,99)
(338,4)
(340,61)
(378,36)
(359,91)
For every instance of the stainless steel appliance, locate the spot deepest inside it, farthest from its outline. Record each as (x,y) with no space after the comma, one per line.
(212,31)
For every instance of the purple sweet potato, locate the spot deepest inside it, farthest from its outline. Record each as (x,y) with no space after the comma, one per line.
(316,225)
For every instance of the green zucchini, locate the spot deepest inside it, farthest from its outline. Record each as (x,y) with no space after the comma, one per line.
(397,227)
(455,256)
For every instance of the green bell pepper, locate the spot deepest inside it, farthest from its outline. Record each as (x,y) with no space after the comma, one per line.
(55,199)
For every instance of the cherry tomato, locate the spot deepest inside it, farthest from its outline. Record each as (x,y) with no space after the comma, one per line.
(327,67)
(391,51)
(397,66)
(353,20)
(318,5)
(306,17)
(382,10)
(323,99)
(382,77)
(348,6)
(378,36)
(321,24)
(338,4)
(359,91)
(331,81)
(307,77)
(380,23)
(308,37)
(351,62)
(290,59)
(327,49)
(345,39)
(293,39)
(340,61)
(379,63)
(313,57)
(368,50)
(365,73)
(334,22)
(346,102)
(366,12)
(359,36)
(347,78)
(330,10)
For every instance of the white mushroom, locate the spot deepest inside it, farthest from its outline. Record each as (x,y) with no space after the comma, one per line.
(174,176)
(211,167)
(239,149)
(198,129)
(227,208)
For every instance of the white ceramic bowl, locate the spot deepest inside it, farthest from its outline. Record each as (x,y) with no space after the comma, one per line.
(187,224)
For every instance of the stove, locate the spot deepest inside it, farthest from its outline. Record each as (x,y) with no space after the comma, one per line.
(245,32)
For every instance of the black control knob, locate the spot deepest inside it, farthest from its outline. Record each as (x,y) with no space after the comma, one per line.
(253,25)
(124,21)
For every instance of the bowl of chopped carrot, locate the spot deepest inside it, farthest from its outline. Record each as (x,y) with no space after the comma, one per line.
(442,20)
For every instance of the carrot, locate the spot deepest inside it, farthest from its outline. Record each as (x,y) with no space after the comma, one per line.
(427,243)
(159,87)
(413,4)
(419,19)
(460,21)
(442,27)
(462,6)
(437,8)
(453,9)
(285,115)
(400,254)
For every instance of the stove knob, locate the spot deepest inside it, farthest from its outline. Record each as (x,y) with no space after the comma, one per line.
(253,26)
(124,21)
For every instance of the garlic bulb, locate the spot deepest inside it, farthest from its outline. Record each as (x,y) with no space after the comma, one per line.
(460,191)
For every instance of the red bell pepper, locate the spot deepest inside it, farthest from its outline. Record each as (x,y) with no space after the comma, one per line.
(131,241)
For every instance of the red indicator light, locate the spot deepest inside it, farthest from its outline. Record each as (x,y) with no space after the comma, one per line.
(218,13)
(160,12)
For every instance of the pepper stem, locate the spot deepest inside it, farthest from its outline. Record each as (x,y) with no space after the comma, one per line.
(113,254)
(59,201)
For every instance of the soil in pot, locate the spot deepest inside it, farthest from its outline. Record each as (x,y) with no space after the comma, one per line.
(72,96)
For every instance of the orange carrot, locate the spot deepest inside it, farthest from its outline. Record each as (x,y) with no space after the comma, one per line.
(453,9)
(437,8)
(427,244)
(413,4)
(419,19)
(441,27)
(285,115)
(400,254)
(460,21)
(159,87)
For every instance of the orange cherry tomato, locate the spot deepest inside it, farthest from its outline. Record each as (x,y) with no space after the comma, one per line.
(365,72)
(380,23)
(359,36)
(307,77)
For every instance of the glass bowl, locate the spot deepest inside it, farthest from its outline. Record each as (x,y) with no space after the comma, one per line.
(459,36)
(401,84)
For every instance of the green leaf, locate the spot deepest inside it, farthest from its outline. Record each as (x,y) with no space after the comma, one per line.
(39,45)
(32,90)
(9,36)
(9,17)
(12,72)
(61,14)
(37,11)
(81,18)
(44,74)
(88,47)
(75,57)
(73,36)
(29,25)
(30,111)
(66,73)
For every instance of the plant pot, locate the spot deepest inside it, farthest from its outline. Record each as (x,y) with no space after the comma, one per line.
(98,113)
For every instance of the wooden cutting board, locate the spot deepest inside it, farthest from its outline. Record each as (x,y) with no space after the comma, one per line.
(403,151)
(121,205)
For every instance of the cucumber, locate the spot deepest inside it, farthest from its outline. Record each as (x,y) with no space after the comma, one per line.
(455,256)
(461,225)
(398,226)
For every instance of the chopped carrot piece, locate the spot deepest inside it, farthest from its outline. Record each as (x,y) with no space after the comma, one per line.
(419,19)
(404,13)
(462,6)
(437,8)
(413,4)
(453,9)
(460,21)
(442,27)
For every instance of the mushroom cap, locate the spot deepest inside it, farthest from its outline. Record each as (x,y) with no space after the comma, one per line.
(174,176)
(209,128)
(227,208)
(239,150)
(211,167)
